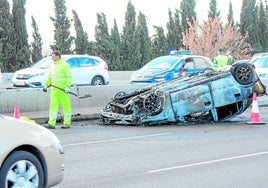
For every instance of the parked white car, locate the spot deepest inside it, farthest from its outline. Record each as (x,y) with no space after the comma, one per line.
(86,70)
(30,155)
(260,61)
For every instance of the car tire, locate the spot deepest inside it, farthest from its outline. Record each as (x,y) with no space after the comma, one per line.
(19,165)
(97,81)
(243,73)
(153,104)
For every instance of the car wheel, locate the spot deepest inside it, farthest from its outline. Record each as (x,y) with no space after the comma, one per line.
(243,74)
(153,104)
(21,169)
(97,81)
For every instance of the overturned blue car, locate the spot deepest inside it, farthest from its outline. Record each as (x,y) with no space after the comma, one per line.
(207,96)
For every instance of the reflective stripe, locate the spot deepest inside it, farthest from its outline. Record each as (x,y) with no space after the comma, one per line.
(52,118)
(58,74)
(67,116)
(53,115)
(59,79)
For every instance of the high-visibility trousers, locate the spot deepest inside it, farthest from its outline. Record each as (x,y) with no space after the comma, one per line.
(58,98)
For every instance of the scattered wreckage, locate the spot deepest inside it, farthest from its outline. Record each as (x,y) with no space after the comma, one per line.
(209,96)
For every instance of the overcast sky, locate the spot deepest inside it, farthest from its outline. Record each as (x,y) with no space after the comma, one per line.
(155,11)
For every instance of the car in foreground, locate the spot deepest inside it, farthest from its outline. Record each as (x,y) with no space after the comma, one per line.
(165,68)
(86,70)
(30,155)
(208,96)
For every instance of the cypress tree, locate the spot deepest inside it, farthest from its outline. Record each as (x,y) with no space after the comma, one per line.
(7,51)
(262,25)
(171,32)
(266,18)
(92,48)
(36,50)
(102,37)
(178,28)
(22,51)
(62,38)
(115,63)
(128,47)
(188,14)
(159,42)
(230,16)
(174,31)
(212,13)
(81,39)
(248,23)
(143,42)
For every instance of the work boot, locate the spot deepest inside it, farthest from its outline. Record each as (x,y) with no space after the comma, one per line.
(49,126)
(65,126)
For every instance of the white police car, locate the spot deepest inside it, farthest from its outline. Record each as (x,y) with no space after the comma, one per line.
(165,68)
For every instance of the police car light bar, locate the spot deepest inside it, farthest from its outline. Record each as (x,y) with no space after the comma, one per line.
(181,52)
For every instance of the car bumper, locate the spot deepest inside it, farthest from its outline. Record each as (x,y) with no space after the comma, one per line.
(54,156)
(27,83)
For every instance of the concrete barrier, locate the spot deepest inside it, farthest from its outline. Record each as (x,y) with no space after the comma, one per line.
(35,102)
(32,100)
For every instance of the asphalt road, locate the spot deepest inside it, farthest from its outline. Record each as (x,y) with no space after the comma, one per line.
(232,154)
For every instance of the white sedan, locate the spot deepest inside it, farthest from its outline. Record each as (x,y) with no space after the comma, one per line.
(30,155)
(260,61)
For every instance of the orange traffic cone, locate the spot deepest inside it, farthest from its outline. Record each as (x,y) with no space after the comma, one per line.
(16,112)
(255,115)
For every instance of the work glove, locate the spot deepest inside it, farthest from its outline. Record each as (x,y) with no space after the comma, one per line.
(44,89)
(67,89)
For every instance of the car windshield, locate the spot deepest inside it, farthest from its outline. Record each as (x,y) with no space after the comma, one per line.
(165,62)
(43,63)
(261,62)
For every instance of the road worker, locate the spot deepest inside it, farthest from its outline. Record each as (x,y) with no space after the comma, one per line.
(60,77)
(221,60)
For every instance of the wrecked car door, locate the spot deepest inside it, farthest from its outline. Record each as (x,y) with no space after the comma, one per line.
(191,100)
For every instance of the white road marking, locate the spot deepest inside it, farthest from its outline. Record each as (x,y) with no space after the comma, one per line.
(208,162)
(115,139)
